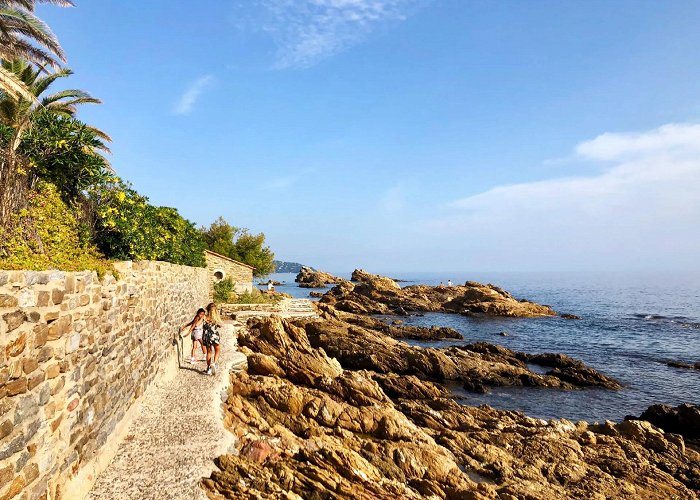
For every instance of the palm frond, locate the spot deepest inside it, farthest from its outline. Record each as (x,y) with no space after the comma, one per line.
(13,86)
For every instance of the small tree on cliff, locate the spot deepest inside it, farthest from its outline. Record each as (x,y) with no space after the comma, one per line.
(237,243)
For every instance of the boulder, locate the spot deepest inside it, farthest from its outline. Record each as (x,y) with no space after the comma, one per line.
(373,294)
(310,278)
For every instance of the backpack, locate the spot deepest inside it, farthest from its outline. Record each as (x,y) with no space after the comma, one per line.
(211,335)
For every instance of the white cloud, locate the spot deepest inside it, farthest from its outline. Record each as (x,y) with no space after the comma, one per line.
(642,209)
(189,98)
(308,31)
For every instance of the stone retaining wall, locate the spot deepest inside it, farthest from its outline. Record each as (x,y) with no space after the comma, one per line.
(75,354)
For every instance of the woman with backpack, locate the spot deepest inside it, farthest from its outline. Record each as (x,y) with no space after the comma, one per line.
(212,337)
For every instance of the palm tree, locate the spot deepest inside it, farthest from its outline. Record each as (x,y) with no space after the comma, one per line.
(23,35)
(19,113)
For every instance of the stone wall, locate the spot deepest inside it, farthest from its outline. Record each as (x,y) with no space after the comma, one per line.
(75,354)
(221,267)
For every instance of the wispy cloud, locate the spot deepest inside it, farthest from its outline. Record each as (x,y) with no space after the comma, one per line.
(188,99)
(286,181)
(643,205)
(308,31)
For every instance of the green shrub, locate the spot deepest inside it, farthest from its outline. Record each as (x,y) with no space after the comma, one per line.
(127,227)
(256,297)
(47,235)
(223,291)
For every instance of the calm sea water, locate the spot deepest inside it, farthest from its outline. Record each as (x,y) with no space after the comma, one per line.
(632,325)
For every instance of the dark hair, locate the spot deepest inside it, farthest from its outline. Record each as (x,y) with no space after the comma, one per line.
(201,310)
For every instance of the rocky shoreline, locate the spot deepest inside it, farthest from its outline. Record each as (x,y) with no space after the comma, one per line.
(330,409)
(340,406)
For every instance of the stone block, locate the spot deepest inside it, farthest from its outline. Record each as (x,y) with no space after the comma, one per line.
(84,299)
(26,298)
(41,333)
(6,429)
(58,386)
(16,347)
(4,277)
(7,300)
(42,299)
(70,284)
(44,395)
(35,380)
(33,316)
(29,365)
(31,277)
(45,354)
(18,386)
(27,406)
(50,316)
(57,296)
(13,319)
(31,472)
(61,327)
(6,475)
(53,371)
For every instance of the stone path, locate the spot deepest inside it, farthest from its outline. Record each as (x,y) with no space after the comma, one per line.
(175,434)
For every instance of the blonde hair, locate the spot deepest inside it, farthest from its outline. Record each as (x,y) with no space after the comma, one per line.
(213,314)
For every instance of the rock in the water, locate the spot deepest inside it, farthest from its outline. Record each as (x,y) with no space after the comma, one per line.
(310,278)
(680,364)
(373,294)
(316,295)
(569,316)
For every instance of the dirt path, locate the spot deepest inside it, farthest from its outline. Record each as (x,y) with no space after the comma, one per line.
(175,434)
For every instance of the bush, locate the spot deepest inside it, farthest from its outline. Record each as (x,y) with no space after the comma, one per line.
(223,291)
(256,297)
(127,227)
(47,235)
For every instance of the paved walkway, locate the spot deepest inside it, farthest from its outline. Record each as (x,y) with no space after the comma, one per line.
(175,434)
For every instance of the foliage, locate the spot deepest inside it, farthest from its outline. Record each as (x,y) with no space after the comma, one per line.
(256,297)
(224,291)
(65,152)
(237,243)
(20,113)
(24,35)
(128,227)
(46,235)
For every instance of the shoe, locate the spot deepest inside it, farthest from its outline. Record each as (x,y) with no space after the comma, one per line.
(213,369)
(208,372)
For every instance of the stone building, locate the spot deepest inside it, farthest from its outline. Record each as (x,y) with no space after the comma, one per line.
(221,267)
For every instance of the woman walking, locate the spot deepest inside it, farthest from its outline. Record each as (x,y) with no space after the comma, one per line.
(212,338)
(196,331)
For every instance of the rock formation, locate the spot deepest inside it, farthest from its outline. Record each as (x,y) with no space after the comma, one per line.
(683,420)
(310,278)
(311,426)
(479,366)
(372,294)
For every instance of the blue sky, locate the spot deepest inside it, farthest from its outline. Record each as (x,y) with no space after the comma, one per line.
(400,135)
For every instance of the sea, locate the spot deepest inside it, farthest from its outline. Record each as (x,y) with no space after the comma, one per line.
(631,326)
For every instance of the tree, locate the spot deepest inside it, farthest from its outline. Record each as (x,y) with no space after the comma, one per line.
(65,152)
(237,243)
(19,114)
(23,35)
